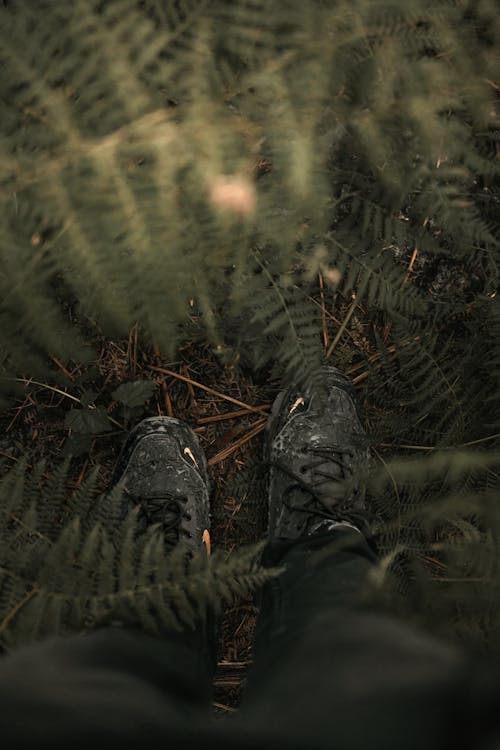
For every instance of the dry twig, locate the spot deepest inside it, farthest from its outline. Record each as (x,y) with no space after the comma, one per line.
(206,388)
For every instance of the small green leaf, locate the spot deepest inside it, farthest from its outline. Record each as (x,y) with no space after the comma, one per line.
(88,421)
(134,394)
(77,444)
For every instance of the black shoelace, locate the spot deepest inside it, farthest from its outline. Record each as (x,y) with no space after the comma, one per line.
(311,501)
(166,509)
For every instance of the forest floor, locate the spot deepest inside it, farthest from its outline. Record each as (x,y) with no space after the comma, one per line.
(228,411)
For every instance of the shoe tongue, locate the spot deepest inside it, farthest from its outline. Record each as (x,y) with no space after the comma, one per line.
(326,481)
(310,515)
(162,508)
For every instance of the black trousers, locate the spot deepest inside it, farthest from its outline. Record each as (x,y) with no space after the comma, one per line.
(328,673)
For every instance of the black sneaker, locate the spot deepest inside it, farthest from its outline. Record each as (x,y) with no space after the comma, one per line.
(164,471)
(317,452)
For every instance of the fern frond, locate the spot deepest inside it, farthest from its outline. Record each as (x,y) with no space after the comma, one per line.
(287,319)
(438,530)
(104,572)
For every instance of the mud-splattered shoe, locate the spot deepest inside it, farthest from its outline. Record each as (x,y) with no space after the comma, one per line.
(317,452)
(164,471)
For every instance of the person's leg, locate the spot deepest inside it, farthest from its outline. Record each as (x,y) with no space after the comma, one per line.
(112,684)
(327,675)
(331,673)
(328,671)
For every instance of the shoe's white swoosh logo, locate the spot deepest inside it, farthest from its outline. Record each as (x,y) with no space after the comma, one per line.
(299,402)
(188,452)
(206,541)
